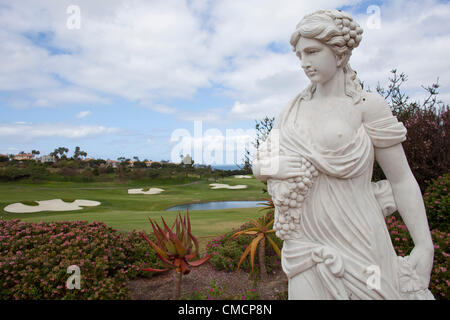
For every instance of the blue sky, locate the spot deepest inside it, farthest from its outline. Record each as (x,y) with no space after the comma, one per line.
(135,72)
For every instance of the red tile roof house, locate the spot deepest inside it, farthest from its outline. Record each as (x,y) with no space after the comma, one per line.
(23,156)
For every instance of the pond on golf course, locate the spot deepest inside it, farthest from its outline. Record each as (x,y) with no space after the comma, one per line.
(214,205)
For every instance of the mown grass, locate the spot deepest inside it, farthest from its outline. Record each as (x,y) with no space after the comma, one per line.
(126,212)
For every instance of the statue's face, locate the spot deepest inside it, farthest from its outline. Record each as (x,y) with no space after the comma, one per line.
(318,61)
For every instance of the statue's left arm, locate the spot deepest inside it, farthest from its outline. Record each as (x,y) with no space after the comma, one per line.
(406,192)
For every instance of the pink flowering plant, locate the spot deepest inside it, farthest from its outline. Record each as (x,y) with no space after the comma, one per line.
(437,202)
(34,258)
(403,244)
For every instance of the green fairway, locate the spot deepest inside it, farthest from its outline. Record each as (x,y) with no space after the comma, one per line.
(126,212)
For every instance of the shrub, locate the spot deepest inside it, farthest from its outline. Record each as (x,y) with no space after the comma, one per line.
(226,251)
(428,130)
(437,203)
(403,244)
(10,173)
(34,258)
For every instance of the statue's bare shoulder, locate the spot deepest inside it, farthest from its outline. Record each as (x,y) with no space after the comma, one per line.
(374,107)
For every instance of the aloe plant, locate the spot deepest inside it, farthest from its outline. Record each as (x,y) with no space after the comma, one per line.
(176,248)
(261,228)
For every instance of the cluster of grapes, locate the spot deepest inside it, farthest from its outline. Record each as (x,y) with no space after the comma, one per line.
(288,197)
(351,31)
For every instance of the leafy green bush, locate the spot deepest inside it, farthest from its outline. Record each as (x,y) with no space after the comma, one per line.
(34,258)
(437,203)
(226,252)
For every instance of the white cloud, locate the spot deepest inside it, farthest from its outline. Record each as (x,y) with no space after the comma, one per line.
(83,114)
(27,132)
(161,50)
(412,39)
(158,107)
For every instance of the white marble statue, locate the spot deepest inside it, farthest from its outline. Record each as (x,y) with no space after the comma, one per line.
(318,162)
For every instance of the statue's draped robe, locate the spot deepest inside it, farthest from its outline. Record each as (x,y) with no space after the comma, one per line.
(343,231)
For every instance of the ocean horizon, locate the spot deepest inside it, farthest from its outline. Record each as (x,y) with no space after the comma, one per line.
(228,167)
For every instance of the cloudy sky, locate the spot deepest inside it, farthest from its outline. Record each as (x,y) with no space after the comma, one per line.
(131,77)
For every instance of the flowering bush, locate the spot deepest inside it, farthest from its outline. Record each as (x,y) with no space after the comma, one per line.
(403,244)
(437,202)
(428,128)
(227,251)
(34,258)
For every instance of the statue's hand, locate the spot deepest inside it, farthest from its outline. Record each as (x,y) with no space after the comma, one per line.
(421,259)
(280,167)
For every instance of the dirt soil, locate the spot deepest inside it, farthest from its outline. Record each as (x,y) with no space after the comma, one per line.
(232,284)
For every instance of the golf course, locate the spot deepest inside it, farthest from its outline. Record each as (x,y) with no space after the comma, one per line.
(127,212)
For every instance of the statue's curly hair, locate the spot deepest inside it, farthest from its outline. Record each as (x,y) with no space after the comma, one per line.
(341,33)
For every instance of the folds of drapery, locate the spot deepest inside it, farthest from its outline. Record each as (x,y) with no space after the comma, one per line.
(344,229)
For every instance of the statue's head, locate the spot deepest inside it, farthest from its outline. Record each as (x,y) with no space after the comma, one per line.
(326,38)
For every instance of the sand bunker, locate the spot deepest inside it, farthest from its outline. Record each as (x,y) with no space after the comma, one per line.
(140,191)
(243,177)
(51,205)
(226,186)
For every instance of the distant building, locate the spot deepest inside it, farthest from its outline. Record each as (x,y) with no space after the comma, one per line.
(23,156)
(148,163)
(187,159)
(112,163)
(47,158)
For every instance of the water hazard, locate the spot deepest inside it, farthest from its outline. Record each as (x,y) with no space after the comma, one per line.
(214,205)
